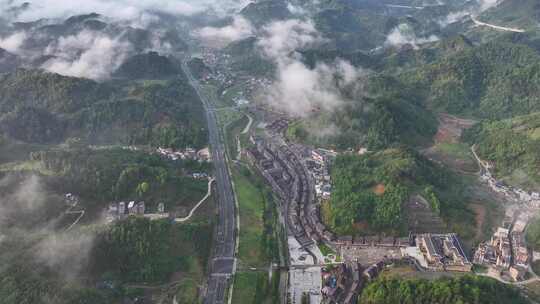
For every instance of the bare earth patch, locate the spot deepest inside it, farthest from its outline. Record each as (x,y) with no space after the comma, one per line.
(447,148)
(379,189)
(480,217)
(451,127)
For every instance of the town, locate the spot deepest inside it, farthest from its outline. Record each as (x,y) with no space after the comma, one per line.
(300,176)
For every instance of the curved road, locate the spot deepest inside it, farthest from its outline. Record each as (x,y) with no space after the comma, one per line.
(497,27)
(208,193)
(223,262)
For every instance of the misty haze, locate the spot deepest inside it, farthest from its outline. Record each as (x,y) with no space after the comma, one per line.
(269,151)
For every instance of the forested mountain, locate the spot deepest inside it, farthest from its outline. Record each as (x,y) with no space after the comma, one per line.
(370,191)
(8,61)
(42,33)
(50,108)
(263,12)
(132,251)
(495,80)
(148,66)
(513,145)
(374,76)
(116,174)
(247,57)
(386,114)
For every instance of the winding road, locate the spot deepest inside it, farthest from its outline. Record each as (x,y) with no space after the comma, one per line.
(497,27)
(223,261)
(208,193)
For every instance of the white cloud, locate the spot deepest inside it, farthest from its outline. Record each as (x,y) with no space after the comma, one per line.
(121,9)
(67,253)
(299,90)
(296,10)
(88,54)
(239,29)
(27,196)
(13,42)
(283,37)
(404,34)
(479,7)
(487,4)
(454,17)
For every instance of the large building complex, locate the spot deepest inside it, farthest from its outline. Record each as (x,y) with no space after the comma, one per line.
(443,252)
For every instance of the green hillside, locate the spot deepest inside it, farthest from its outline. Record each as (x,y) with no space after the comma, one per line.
(148,66)
(117,174)
(8,61)
(495,80)
(523,14)
(246,57)
(370,191)
(48,91)
(463,290)
(49,108)
(265,11)
(513,145)
(109,260)
(391,114)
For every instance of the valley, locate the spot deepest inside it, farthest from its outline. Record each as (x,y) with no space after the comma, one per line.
(269,151)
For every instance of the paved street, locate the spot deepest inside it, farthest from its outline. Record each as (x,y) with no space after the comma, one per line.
(223,256)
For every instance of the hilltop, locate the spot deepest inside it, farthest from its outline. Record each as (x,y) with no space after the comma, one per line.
(371,192)
(263,12)
(49,108)
(150,65)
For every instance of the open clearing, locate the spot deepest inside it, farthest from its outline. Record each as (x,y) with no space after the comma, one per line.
(447,148)
(251,204)
(480,211)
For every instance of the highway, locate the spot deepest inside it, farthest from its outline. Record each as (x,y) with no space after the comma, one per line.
(223,256)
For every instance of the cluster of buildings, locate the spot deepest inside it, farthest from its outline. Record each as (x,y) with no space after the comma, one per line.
(343,283)
(283,170)
(121,210)
(532,199)
(187,154)
(373,241)
(506,252)
(443,252)
(71,199)
(318,166)
(278,126)
(221,72)
(286,169)
(253,84)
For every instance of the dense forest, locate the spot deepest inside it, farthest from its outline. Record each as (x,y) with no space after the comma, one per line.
(372,189)
(148,66)
(533,234)
(140,250)
(390,116)
(498,79)
(461,290)
(120,174)
(48,108)
(133,251)
(512,145)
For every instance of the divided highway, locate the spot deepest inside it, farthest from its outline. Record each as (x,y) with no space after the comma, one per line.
(223,256)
